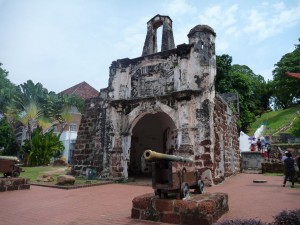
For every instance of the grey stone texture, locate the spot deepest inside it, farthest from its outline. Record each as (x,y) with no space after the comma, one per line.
(164,101)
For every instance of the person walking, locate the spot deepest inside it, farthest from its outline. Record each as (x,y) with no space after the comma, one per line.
(289,169)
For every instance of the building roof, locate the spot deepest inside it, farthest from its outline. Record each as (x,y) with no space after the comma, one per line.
(293,75)
(83,90)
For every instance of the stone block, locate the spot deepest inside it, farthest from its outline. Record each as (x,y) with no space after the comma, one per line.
(207,207)
(45,178)
(65,179)
(170,218)
(17,181)
(24,186)
(164,205)
(185,207)
(192,219)
(150,214)
(2,188)
(199,209)
(12,187)
(143,201)
(135,213)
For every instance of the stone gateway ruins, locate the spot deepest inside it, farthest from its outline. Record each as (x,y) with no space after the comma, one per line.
(164,101)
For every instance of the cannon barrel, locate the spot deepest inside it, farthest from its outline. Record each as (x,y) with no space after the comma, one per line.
(154,156)
(11,158)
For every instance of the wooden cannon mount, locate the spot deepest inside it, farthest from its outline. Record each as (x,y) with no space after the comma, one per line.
(9,166)
(173,174)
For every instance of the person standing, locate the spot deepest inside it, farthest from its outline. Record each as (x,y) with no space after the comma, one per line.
(252,146)
(289,169)
(268,150)
(284,156)
(259,146)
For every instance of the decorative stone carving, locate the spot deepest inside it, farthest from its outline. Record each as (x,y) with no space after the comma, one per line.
(149,80)
(122,91)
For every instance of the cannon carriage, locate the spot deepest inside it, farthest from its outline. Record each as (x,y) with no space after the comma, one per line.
(9,166)
(173,175)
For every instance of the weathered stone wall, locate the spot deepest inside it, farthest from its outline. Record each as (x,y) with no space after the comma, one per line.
(163,101)
(272,167)
(13,184)
(88,149)
(252,161)
(226,149)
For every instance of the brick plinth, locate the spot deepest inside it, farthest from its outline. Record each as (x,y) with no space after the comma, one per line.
(13,184)
(202,209)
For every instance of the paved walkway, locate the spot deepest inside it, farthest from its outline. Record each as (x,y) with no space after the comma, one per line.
(111,203)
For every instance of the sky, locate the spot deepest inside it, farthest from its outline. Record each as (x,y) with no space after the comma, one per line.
(60,43)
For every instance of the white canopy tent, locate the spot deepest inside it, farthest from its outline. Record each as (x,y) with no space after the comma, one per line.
(245,142)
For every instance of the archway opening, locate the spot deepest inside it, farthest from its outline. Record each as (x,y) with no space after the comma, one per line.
(153,131)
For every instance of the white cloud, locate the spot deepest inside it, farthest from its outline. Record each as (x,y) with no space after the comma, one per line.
(221,46)
(179,7)
(279,6)
(266,73)
(133,40)
(232,31)
(219,17)
(266,23)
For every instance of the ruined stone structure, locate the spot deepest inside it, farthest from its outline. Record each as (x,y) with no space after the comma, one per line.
(164,101)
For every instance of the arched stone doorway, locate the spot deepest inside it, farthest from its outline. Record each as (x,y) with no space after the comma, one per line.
(155,131)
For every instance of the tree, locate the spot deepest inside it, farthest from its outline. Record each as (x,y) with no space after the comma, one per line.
(8,146)
(286,90)
(26,108)
(223,72)
(7,90)
(252,89)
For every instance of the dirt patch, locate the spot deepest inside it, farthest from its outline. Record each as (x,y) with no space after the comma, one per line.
(58,171)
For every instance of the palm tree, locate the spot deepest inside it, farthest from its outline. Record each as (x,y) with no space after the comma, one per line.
(34,107)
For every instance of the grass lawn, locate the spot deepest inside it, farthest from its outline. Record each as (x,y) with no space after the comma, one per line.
(274,120)
(34,172)
(273,174)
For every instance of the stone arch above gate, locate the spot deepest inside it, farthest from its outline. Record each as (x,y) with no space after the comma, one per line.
(145,108)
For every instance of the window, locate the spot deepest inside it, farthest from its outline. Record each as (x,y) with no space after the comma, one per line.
(73,127)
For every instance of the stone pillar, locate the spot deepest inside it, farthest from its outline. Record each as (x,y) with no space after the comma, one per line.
(167,36)
(150,46)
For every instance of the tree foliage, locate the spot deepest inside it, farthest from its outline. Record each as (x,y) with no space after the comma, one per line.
(36,110)
(34,107)
(253,91)
(8,146)
(7,90)
(286,90)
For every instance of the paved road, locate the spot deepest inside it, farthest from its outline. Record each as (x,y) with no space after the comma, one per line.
(111,203)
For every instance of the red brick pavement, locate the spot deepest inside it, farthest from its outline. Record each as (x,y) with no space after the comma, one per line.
(111,203)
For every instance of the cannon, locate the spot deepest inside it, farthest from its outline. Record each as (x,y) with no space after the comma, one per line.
(9,166)
(154,156)
(173,175)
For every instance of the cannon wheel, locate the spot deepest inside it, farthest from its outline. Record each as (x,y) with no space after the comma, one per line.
(16,174)
(185,190)
(200,186)
(8,174)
